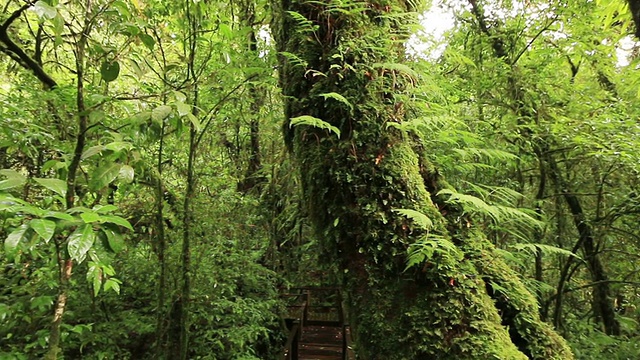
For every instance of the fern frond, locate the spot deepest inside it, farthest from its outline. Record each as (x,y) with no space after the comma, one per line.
(304,24)
(487,154)
(546,249)
(499,213)
(419,218)
(431,246)
(337,97)
(294,59)
(401,68)
(315,122)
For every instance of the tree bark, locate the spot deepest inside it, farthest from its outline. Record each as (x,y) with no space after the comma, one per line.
(334,67)
(634,6)
(66,263)
(603,305)
(252,177)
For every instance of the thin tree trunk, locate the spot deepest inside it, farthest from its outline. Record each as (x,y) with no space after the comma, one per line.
(160,237)
(252,178)
(185,296)
(160,231)
(602,299)
(65,263)
(540,233)
(185,293)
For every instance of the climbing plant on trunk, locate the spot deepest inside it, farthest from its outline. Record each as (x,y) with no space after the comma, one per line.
(372,195)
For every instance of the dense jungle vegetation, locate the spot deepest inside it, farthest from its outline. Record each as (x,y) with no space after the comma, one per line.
(170,168)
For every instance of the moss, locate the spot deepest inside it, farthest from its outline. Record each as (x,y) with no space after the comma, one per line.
(353,184)
(517,305)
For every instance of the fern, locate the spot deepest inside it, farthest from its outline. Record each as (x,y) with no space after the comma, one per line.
(337,97)
(546,249)
(419,218)
(489,154)
(425,126)
(315,122)
(303,23)
(401,68)
(431,246)
(294,59)
(498,213)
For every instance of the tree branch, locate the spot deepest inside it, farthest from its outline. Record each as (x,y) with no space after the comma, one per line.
(15,52)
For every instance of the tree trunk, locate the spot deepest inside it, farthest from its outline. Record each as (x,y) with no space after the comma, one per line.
(66,263)
(603,305)
(634,6)
(335,68)
(252,178)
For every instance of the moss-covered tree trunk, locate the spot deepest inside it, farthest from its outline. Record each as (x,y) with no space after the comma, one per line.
(340,70)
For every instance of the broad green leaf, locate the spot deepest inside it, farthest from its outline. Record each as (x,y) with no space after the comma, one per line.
(105,209)
(58,28)
(96,116)
(104,175)
(131,30)
(53,164)
(80,241)
(110,70)
(171,67)
(180,96)
(112,284)
(44,10)
(114,238)
(160,113)
(58,215)
(126,174)
(14,179)
(12,241)
(147,40)
(44,228)
(56,185)
(116,220)
(225,30)
(92,151)
(94,275)
(79,210)
(10,183)
(119,146)
(122,8)
(30,209)
(10,203)
(194,120)
(90,217)
(183,109)
(139,70)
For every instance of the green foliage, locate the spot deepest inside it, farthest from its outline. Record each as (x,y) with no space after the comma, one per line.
(498,213)
(156,75)
(315,122)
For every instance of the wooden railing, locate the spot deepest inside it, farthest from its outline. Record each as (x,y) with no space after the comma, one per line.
(299,317)
(291,347)
(347,346)
(295,322)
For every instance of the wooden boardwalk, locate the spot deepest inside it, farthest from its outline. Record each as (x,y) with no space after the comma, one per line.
(320,343)
(317,326)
